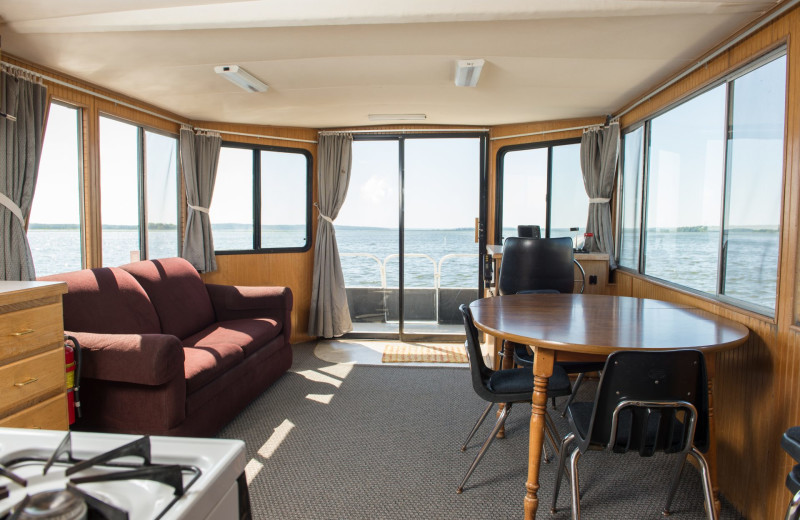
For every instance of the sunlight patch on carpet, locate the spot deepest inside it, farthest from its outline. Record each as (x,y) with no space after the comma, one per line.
(424,353)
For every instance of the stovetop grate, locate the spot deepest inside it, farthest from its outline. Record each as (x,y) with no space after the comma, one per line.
(168,474)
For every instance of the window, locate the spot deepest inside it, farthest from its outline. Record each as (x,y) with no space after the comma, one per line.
(54,228)
(753,192)
(526,172)
(711,170)
(262,199)
(684,192)
(135,161)
(631,207)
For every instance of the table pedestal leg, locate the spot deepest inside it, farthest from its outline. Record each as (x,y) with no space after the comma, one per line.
(508,362)
(711,456)
(542,370)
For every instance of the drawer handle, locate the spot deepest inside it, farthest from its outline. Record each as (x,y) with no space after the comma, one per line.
(27,382)
(23,332)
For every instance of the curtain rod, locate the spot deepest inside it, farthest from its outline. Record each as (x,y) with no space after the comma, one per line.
(260,136)
(703,61)
(542,132)
(401,131)
(92,93)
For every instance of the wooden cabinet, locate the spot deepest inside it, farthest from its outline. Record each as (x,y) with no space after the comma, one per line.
(32,368)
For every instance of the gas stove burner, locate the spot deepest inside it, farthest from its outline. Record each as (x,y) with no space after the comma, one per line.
(52,505)
(50,481)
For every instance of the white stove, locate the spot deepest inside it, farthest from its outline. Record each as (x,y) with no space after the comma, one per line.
(151,478)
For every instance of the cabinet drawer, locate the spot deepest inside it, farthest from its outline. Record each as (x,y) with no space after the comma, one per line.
(38,376)
(29,330)
(47,415)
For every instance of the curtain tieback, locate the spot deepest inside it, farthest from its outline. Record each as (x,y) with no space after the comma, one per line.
(198,208)
(12,207)
(322,215)
(599,201)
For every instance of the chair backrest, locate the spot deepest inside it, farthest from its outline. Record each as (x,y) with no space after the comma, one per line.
(477,367)
(656,377)
(527,231)
(537,264)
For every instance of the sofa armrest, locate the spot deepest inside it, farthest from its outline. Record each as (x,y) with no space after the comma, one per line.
(232,302)
(145,359)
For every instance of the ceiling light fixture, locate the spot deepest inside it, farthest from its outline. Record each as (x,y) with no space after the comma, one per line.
(241,78)
(397,117)
(468,72)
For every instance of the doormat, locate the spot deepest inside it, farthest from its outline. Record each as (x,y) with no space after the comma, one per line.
(424,353)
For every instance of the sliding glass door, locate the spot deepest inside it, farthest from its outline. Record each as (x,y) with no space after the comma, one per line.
(407,234)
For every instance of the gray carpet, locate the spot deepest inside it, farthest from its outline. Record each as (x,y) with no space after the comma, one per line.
(382,442)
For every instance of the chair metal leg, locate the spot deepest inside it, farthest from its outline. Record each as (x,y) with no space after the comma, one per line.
(708,491)
(562,459)
(576,494)
(499,424)
(676,478)
(477,425)
(793,511)
(578,381)
(551,432)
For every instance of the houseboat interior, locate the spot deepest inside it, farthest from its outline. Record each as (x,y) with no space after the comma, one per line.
(265,235)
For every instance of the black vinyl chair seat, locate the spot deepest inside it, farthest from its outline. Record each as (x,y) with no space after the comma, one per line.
(647,402)
(516,384)
(505,387)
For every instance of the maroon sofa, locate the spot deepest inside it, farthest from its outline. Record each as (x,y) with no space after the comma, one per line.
(165,353)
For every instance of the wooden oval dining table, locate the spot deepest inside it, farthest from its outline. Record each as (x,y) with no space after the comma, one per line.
(599,324)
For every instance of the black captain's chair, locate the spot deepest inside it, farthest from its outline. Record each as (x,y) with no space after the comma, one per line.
(791,444)
(544,265)
(503,386)
(647,402)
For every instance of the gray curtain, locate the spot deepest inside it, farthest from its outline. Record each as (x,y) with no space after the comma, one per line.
(329,316)
(20,150)
(599,154)
(199,159)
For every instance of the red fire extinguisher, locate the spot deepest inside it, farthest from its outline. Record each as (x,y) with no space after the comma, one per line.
(73,373)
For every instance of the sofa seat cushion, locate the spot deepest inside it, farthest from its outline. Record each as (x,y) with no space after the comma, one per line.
(204,364)
(249,334)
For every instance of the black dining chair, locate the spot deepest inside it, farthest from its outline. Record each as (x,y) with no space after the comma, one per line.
(646,402)
(505,387)
(791,444)
(544,265)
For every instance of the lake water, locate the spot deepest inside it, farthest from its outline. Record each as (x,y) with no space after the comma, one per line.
(369,256)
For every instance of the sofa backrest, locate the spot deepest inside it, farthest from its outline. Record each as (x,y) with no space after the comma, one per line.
(106,300)
(177,292)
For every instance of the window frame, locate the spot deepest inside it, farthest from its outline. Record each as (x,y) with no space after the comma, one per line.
(141,183)
(501,153)
(256,196)
(726,80)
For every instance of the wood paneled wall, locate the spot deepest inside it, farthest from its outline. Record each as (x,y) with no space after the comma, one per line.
(757,396)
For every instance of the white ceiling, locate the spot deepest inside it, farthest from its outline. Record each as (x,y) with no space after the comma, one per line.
(331,63)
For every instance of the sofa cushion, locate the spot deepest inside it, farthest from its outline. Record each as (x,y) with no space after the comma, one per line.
(106,300)
(251,334)
(204,364)
(177,292)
